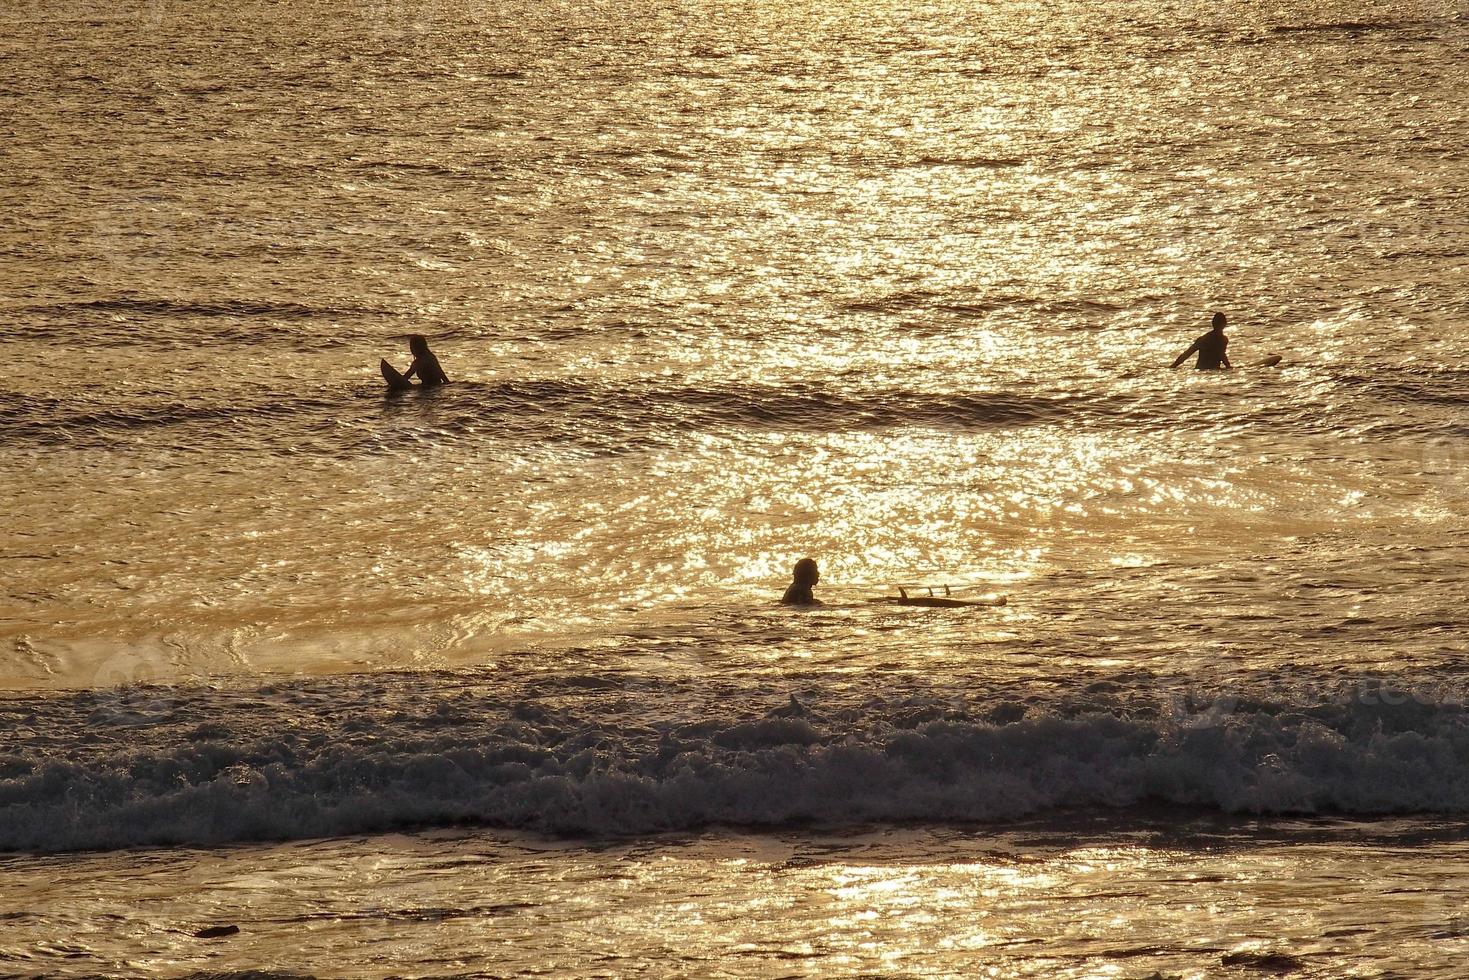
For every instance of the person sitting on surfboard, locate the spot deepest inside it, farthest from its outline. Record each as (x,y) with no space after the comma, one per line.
(1210,348)
(799,591)
(425,365)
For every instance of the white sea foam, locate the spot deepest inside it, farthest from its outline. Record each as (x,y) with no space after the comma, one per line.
(211,767)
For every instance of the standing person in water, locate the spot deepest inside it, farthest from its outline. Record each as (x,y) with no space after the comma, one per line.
(1210,348)
(425,365)
(799,591)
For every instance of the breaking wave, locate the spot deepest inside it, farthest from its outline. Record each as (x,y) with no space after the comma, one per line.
(152,766)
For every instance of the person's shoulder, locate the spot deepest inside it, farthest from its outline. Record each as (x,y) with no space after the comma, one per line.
(797,596)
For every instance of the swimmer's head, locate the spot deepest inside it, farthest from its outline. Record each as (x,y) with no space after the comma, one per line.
(418,344)
(1219,321)
(806,572)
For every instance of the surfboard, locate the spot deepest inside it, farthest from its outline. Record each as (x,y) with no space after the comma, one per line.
(945,601)
(939,601)
(1270,361)
(396,381)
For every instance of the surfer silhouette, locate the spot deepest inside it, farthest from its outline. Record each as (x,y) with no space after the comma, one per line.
(1210,348)
(425,365)
(799,592)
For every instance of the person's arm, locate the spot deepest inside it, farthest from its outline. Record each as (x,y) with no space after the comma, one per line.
(412,370)
(1185,355)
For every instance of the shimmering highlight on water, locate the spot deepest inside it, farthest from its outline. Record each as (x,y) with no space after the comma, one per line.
(893,285)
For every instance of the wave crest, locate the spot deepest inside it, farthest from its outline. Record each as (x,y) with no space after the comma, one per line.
(529,766)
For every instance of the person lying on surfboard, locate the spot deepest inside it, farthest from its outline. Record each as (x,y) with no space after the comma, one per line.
(799,592)
(1210,348)
(425,364)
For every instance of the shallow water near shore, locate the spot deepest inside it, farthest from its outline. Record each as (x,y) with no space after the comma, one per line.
(1144,894)
(478,680)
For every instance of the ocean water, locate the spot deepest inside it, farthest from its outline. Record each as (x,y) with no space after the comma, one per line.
(491,679)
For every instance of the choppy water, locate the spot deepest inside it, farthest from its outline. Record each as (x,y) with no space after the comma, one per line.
(723,285)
